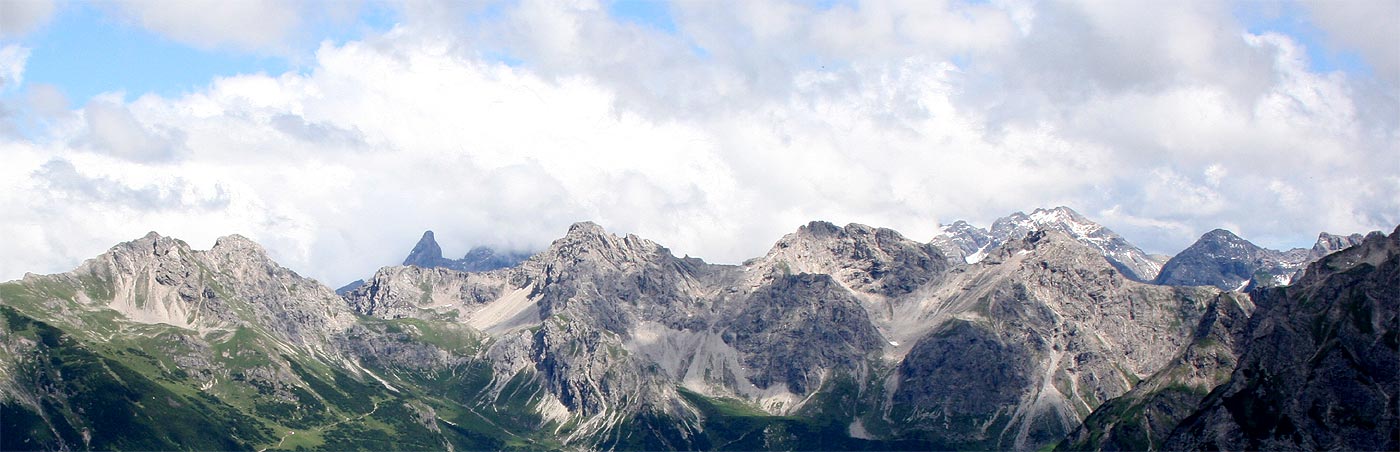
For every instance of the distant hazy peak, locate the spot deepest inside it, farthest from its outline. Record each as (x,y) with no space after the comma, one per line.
(1225,260)
(426,253)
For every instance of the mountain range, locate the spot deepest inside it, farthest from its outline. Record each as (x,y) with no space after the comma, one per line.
(1045,331)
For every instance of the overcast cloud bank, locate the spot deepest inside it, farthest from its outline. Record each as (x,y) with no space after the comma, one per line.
(501,123)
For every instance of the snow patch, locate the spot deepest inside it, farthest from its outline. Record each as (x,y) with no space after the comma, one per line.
(977,256)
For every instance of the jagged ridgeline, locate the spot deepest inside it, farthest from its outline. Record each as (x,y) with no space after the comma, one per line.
(838,338)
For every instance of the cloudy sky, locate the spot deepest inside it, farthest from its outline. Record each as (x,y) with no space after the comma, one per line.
(334,132)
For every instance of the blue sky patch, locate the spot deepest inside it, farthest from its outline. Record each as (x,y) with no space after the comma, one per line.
(648,13)
(85,52)
(1290,19)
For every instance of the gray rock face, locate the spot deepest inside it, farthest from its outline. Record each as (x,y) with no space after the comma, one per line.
(1319,371)
(791,329)
(429,293)
(161,280)
(616,281)
(959,240)
(352,285)
(1224,260)
(427,254)
(960,376)
(1143,418)
(1329,243)
(1033,338)
(864,259)
(964,242)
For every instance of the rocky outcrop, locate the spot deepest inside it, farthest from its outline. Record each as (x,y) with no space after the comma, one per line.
(161,280)
(1319,371)
(1327,244)
(795,328)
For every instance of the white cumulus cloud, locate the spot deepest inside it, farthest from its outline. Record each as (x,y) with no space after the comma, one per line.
(1162,121)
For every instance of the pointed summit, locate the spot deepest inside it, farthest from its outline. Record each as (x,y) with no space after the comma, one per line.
(426,253)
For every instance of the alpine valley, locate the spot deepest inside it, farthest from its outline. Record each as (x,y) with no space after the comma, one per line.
(1045,331)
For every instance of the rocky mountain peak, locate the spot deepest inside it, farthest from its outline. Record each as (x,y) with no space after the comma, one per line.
(1318,371)
(588,241)
(426,253)
(1047,244)
(864,258)
(826,231)
(1224,260)
(961,242)
(1061,218)
(963,228)
(1223,236)
(144,251)
(1373,249)
(235,244)
(586,229)
(971,244)
(1329,243)
(819,229)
